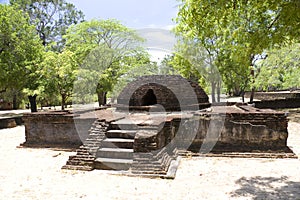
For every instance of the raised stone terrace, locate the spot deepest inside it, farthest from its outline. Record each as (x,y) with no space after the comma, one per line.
(156,119)
(148,144)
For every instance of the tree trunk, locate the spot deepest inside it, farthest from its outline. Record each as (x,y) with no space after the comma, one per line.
(253,79)
(243,95)
(32,101)
(213,91)
(15,105)
(252,95)
(63,101)
(219,92)
(252,88)
(102,100)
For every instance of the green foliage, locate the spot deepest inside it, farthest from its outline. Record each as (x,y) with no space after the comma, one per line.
(234,32)
(235,76)
(178,64)
(59,73)
(281,69)
(51,19)
(20,50)
(105,50)
(134,66)
(166,67)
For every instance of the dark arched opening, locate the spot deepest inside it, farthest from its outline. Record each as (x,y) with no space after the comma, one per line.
(149,98)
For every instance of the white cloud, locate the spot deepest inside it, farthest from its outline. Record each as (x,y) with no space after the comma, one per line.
(169,27)
(158,38)
(158,55)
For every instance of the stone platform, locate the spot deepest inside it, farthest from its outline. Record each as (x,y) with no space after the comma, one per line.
(10,120)
(149,143)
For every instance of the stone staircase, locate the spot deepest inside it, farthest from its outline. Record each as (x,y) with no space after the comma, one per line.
(157,164)
(116,150)
(112,146)
(86,153)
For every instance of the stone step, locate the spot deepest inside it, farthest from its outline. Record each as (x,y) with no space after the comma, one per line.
(82,152)
(95,134)
(149,127)
(93,148)
(79,162)
(127,134)
(92,140)
(112,164)
(146,165)
(117,143)
(115,153)
(123,126)
(82,158)
(161,172)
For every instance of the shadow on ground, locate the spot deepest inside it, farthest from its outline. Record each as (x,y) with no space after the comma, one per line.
(267,188)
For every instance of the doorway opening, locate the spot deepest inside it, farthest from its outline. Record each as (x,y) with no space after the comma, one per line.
(149,98)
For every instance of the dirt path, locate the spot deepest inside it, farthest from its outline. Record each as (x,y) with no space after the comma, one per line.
(35,174)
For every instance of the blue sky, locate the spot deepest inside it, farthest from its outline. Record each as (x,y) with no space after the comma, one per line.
(138,14)
(135,14)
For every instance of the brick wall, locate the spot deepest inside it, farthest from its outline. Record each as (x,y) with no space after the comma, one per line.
(240,132)
(172,92)
(55,129)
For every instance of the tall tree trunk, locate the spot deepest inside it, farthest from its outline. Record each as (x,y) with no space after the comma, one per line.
(213,91)
(243,95)
(252,88)
(252,95)
(253,78)
(63,101)
(15,104)
(102,100)
(219,91)
(32,101)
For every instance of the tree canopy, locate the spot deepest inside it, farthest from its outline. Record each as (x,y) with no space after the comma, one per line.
(102,48)
(59,73)
(235,31)
(20,50)
(51,19)
(280,70)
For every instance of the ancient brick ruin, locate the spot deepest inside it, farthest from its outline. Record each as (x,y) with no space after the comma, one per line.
(10,120)
(145,141)
(172,92)
(277,100)
(54,129)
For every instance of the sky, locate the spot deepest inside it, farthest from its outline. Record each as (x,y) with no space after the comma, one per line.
(151,17)
(135,14)
(142,15)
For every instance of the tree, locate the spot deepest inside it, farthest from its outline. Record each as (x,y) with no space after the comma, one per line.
(178,64)
(51,19)
(198,63)
(237,31)
(280,70)
(20,51)
(101,47)
(59,73)
(166,67)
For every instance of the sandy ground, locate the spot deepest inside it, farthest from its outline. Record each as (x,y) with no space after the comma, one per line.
(36,174)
